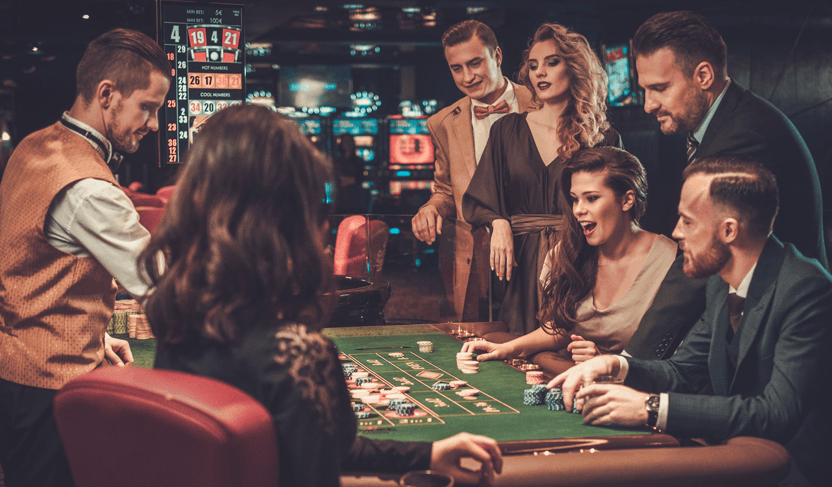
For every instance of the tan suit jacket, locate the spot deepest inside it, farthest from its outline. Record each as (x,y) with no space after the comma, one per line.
(453,140)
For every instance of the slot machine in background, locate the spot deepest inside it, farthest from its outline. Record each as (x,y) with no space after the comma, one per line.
(365,134)
(206,49)
(315,129)
(411,156)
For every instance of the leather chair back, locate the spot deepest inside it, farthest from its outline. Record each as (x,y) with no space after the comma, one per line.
(135,427)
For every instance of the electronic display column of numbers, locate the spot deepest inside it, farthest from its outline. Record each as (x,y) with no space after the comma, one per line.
(205,46)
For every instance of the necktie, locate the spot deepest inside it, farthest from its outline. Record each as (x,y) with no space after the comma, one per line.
(735,306)
(692,146)
(482,112)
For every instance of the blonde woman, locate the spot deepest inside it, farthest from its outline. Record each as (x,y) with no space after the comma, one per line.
(516,187)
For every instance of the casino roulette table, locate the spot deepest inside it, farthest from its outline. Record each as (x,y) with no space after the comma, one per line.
(540,447)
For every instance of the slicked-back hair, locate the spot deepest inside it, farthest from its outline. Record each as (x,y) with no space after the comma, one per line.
(741,188)
(242,237)
(691,37)
(466,30)
(124,56)
(584,121)
(575,264)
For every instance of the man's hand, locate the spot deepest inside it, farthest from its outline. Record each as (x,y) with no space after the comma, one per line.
(502,249)
(582,350)
(117,351)
(613,404)
(572,379)
(446,454)
(494,351)
(427,224)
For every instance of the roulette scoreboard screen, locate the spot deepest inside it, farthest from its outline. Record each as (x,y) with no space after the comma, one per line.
(205,46)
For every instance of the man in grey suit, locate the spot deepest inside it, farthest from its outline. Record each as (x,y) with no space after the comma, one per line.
(763,342)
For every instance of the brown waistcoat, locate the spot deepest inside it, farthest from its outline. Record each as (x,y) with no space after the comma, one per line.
(54,307)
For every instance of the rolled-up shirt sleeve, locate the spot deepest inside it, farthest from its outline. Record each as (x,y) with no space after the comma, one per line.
(94,218)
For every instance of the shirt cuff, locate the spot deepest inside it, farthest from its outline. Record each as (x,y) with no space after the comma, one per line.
(623,367)
(664,405)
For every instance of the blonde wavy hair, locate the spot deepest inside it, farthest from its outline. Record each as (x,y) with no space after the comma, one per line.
(584,121)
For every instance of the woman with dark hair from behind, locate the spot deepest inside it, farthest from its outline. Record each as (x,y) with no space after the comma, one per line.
(515,188)
(238,270)
(603,271)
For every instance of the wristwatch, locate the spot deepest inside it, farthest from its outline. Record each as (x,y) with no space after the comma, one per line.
(652,407)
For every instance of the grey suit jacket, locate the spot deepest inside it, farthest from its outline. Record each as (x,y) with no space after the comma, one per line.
(782,386)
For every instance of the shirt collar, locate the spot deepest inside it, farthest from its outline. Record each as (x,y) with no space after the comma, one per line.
(508,96)
(93,132)
(699,133)
(742,291)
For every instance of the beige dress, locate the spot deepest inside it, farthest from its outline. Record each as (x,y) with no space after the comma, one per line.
(610,329)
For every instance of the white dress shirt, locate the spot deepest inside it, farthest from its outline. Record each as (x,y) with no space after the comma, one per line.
(94,218)
(483,127)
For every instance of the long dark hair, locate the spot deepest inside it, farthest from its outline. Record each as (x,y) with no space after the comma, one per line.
(575,263)
(241,240)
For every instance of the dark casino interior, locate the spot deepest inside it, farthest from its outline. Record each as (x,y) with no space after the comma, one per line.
(383,73)
(388,56)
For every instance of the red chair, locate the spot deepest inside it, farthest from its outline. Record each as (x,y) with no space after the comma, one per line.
(135,427)
(136,186)
(141,199)
(150,216)
(353,256)
(165,192)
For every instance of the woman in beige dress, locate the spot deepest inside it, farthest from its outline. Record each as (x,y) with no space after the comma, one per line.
(604,269)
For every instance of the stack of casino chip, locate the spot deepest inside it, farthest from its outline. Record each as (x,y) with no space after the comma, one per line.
(455,384)
(462,357)
(467,393)
(470,367)
(361,380)
(425,346)
(357,406)
(575,405)
(440,386)
(362,414)
(535,396)
(534,377)
(349,368)
(554,399)
(396,401)
(405,409)
(139,327)
(396,355)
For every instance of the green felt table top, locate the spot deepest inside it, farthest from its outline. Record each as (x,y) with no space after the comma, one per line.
(498,410)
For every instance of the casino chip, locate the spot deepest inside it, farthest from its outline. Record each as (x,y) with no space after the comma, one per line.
(362,414)
(554,400)
(440,386)
(575,405)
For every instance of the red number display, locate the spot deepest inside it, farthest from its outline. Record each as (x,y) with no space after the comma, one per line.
(197,37)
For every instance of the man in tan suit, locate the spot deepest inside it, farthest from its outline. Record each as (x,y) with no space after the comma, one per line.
(459,133)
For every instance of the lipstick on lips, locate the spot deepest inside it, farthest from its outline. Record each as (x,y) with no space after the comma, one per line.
(588,227)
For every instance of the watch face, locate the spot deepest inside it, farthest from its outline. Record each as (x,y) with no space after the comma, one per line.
(653,403)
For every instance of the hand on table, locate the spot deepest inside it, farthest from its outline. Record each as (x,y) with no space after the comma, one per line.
(446,454)
(502,249)
(493,351)
(613,404)
(582,350)
(572,379)
(427,224)
(117,351)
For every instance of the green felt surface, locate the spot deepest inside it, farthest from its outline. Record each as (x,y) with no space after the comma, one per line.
(498,410)
(501,388)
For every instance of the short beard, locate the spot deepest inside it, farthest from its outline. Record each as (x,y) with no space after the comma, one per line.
(114,138)
(710,262)
(695,108)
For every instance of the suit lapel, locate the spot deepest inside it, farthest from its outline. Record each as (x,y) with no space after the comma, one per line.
(723,115)
(464,131)
(760,294)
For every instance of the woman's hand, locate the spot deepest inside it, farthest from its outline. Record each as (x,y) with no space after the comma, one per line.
(446,454)
(582,350)
(493,351)
(502,249)
(117,351)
